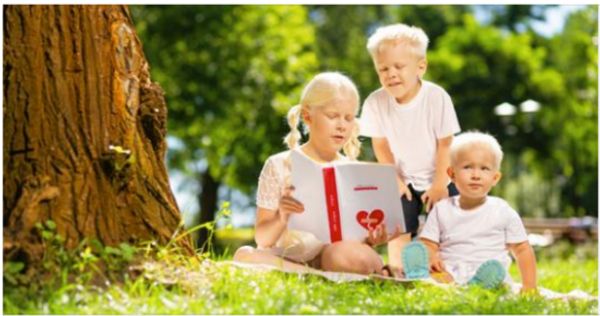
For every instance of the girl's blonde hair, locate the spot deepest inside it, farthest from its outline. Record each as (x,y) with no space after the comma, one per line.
(413,36)
(322,90)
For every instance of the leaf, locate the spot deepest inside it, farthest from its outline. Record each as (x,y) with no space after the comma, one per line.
(127,251)
(112,251)
(47,235)
(51,224)
(12,267)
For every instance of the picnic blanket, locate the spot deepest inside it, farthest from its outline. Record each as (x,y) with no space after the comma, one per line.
(340,277)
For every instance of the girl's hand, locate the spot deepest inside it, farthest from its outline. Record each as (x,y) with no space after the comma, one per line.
(288,205)
(377,236)
(380,236)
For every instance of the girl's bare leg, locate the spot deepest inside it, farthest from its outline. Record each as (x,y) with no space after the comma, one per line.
(351,256)
(251,255)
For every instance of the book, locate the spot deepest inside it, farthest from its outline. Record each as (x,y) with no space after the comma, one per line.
(344,199)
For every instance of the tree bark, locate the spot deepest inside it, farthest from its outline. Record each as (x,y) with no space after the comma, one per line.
(84,131)
(208,204)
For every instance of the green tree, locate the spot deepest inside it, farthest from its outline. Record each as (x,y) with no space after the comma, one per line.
(515,17)
(482,67)
(229,73)
(572,121)
(344,48)
(84,133)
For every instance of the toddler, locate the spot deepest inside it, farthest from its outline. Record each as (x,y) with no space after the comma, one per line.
(469,235)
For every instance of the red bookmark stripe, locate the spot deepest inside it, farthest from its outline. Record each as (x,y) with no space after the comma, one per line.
(333,208)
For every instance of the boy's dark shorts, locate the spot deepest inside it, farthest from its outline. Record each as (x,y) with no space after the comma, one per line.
(413,208)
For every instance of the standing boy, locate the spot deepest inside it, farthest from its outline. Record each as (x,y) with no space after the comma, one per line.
(411,122)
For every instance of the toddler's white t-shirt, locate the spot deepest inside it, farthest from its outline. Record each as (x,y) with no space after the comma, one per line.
(411,129)
(469,238)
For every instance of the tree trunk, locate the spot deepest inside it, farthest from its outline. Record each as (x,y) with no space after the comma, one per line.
(208,204)
(84,131)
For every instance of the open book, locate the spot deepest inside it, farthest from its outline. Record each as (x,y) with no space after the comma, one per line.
(342,200)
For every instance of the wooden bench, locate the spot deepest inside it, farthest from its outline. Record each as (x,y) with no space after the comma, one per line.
(576,229)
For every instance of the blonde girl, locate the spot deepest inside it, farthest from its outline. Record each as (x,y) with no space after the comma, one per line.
(327,109)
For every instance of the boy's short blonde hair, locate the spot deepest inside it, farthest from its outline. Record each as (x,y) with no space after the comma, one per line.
(398,33)
(471,139)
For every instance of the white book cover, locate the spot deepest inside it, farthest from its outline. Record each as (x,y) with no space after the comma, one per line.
(342,200)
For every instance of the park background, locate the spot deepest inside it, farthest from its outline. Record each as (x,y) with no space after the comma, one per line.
(91,226)
(527,74)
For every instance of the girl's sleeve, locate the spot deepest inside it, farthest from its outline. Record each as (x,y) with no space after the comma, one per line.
(448,121)
(269,188)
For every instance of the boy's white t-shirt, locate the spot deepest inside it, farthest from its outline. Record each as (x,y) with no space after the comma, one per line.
(411,129)
(469,238)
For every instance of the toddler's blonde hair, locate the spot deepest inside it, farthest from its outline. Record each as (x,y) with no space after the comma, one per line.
(415,37)
(471,139)
(322,90)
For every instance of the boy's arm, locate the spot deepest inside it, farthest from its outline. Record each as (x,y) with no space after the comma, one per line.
(383,153)
(438,189)
(435,263)
(525,258)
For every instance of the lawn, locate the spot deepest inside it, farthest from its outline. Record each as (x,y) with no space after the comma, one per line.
(178,285)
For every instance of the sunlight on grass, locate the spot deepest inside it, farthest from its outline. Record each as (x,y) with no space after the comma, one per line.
(211,287)
(162,280)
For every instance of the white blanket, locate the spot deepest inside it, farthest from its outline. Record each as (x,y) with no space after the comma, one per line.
(339,277)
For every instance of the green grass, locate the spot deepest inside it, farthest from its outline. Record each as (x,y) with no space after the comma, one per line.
(183,286)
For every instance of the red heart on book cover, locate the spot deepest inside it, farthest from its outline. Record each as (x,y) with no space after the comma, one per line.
(370,220)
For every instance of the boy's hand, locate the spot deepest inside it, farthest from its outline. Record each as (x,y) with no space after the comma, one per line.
(403,189)
(288,205)
(437,265)
(432,195)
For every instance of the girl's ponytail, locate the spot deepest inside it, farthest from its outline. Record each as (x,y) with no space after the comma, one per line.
(352,146)
(293,117)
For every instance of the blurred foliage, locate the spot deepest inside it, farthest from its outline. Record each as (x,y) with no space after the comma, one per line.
(572,121)
(231,72)
(512,17)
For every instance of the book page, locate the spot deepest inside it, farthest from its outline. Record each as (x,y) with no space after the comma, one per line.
(368,195)
(365,195)
(307,179)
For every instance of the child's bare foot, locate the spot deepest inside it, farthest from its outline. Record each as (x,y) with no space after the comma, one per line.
(392,272)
